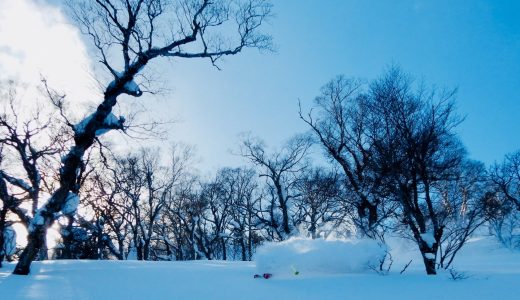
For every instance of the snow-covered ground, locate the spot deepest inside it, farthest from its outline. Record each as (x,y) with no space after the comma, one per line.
(493,273)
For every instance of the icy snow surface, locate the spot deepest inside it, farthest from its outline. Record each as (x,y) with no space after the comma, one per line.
(493,273)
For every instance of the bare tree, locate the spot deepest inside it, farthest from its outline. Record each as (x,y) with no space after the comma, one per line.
(9,202)
(141,31)
(506,177)
(181,218)
(319,202)
(416,151)
(340,125)
(281,169)
(102,197)
(462,209)
(131,177)
(29,143)
(241,188)
(144,186)
(504,220)
(213,221)
(191,216)
(503,205)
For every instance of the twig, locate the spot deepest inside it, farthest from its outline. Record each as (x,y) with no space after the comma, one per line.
(406,266)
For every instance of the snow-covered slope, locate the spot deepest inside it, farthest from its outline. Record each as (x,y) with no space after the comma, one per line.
(493,273)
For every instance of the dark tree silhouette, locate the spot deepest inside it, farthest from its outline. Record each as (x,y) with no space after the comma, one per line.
(142,31)
(416,149)
(281,169)
(340,122)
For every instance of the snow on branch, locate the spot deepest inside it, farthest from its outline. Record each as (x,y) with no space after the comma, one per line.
(71,204)
(17,182)
(110,122)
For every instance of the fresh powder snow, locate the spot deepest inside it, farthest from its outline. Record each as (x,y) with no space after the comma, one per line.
(307,256)
(492,272)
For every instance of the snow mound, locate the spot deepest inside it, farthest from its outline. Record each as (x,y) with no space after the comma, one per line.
(301,256)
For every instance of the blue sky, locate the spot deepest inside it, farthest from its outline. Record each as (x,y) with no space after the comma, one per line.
(472,45)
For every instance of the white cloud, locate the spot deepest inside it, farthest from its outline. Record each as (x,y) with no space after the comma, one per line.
(36,39)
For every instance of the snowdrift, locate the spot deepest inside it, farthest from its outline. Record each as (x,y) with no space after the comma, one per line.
(301,256)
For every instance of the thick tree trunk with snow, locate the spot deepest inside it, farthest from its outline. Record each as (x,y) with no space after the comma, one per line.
(34,241)
(84,137)
(123,25)
(429,263)
(429,248)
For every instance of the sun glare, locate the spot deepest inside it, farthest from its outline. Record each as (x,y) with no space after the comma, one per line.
(37,41)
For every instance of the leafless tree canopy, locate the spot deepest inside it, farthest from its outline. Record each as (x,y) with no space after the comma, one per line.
(395,142)
(506,177)
(141,30)
(281,169)
(30,144)
(341,122)
(137,32)
(395,160)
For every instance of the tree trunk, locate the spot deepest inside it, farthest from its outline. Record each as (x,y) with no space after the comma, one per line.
(429,254)
(372,217)
(121,247)
(282,202)
(312,228)
(168,251)
(67,241)
(243,247)
(69,181)
(429,264)
(34,241)
(3,214)
(100,245)
(224,250)
(43,253)
(139,249)
(146,250)
(45,215)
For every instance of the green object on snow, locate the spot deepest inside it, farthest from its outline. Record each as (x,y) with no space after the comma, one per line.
(295,272)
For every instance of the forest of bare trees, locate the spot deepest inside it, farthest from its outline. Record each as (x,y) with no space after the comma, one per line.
(391,162)
(392,165)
